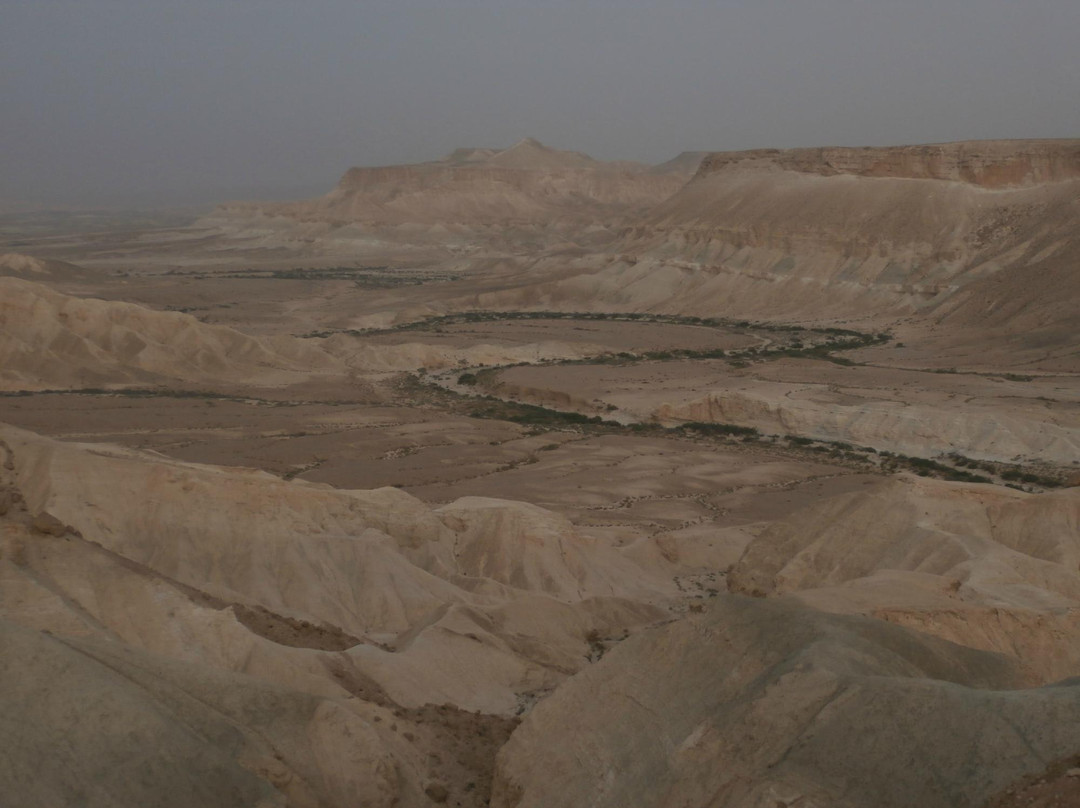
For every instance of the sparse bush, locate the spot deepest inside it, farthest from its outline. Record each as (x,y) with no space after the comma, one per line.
(718,429)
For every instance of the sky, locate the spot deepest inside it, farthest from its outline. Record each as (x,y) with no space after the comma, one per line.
(162,102)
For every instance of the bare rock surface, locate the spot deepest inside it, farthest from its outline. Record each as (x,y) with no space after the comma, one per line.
(988,163)
(326,646)
(765,703)
(98,724)
(39,270)
(52,340)
(855,234)
(535,584)
(987,567)
(473,195)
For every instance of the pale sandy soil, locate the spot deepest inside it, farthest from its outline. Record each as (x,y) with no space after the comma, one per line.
(292,572)
(989,416)
(626,486)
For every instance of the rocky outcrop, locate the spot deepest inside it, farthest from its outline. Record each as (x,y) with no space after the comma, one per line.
(528,185)
(40,270)
(995,429)
(50,340)
(765,703)
(987,567)
(277,643)
(820,233)
(814,234)
(987,164)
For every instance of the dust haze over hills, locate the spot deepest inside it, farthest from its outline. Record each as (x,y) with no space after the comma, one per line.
(521,478)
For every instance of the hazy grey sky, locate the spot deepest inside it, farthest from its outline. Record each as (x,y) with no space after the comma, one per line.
(106,101)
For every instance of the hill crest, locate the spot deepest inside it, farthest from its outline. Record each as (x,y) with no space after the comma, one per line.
(984,163)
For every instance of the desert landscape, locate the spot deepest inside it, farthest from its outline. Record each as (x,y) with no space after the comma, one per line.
(524,479)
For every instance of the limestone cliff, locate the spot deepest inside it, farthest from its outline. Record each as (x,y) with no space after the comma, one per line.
(813,233)
(988,164)
(528,184)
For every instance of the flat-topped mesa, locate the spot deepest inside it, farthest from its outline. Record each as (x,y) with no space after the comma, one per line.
(986,163)
(494,165)
(527,185)
(837,232)
(478,193)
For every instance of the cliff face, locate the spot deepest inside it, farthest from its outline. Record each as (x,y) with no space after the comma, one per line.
(485,194)
(987,164)
(873,231)
(527,185)
(977,235)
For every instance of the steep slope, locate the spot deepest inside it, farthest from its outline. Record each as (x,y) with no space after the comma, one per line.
(853,234)
(525,184)
(290,643)
(766,703)
(407,584)
(95,723)
(1007,426)
(531,154)
(987,164)
(51,340)
(1032,302)
(475,194)
(686,162)
(39,270)
(989,567)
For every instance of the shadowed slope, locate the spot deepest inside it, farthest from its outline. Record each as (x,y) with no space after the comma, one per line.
(762,703)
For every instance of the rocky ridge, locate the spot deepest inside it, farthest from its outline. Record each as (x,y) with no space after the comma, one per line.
(476,193)
(987,164)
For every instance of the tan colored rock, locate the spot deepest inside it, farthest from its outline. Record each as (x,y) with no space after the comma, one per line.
(988,163)
(48,524)
(62,273)
(527,183)
(50,340)
(181,634)
(758,703)
(437,793)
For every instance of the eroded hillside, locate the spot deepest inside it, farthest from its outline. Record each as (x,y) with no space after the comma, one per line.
(522,479)
(528,194)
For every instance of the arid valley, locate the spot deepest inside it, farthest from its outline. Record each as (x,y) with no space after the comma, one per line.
(528,480)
